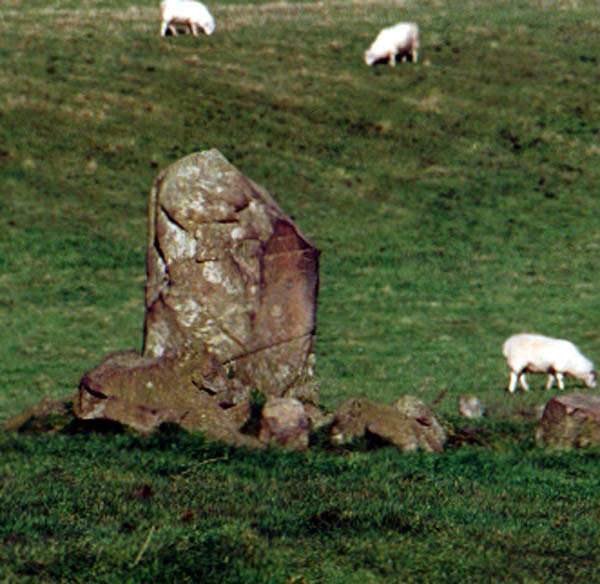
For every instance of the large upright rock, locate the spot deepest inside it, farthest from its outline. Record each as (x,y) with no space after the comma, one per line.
(231,290)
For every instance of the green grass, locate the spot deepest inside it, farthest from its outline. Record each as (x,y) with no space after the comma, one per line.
(174,508)
(454,202)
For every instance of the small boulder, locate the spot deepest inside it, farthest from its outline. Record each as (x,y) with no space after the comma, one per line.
(431,436)
(570,421)
(408,424)
(470,407)
(350,420)
(285,423)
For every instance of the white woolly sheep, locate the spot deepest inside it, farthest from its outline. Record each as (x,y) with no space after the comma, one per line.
(185,13)
(400,40)
(527,353)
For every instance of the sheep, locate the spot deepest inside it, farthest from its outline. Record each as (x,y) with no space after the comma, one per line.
(400,40)
(528,353)
(185,12)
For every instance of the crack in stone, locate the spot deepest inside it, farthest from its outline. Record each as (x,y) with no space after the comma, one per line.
(294,252)
(161,255)
(227,332)
(172,219)
(268,347)
(204,260)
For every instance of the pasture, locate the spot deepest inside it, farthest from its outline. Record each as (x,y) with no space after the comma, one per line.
(454,202)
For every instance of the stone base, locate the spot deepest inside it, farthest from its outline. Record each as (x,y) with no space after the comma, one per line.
(181,388)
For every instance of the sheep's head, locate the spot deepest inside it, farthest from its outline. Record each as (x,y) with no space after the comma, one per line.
(591,379)
(209,28)
(370,57)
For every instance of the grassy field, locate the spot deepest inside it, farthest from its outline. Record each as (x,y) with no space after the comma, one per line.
(454,201)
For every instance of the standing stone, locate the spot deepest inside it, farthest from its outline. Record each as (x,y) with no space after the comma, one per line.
(231,292)
(570,421)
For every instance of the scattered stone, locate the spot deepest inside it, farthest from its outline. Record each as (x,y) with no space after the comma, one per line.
(430,433)
(285,423)
(539,411)
(144,393)
(350,420)
(408,424)
(317,416)
(470,407)
(46,416)
(570,421)
(231,298)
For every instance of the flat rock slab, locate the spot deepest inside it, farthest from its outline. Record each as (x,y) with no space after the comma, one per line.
(570,421)
(231,298)
(144,393)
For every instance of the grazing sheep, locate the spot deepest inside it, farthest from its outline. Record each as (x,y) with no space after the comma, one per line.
(400,40)
(527,353)
(185,12)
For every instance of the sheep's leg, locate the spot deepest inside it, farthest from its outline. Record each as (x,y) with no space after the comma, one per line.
(512,384)
(550,381)
(392,59)
(414,56)
(559,379)
(193,28)
(173,30)
(523,382)
(163,28)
